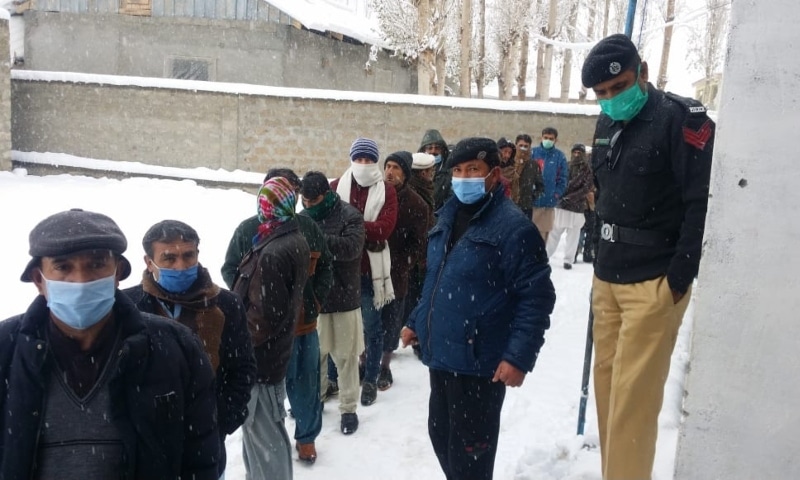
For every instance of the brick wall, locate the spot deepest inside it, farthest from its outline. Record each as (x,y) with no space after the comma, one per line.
(252,131)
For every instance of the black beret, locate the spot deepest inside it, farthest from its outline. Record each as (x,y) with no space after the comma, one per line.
(610,57)
(404,159)
(474,148)
(74,231)
(314,184)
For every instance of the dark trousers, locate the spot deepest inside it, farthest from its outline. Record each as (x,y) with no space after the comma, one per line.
(392,318)
(464,423)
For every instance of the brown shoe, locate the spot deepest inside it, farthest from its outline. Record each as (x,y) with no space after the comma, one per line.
(306,452)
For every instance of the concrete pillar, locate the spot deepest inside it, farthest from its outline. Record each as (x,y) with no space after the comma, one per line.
(5,94)
(742,414)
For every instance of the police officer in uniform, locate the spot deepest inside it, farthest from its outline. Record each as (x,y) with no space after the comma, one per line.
(651,159)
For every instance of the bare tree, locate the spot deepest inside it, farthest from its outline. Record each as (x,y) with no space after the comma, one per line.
(522,75)
(510,21)
(480,64)
(566,72)
(544,67)
(661,82)
(594,6)
(415,29)
(707,46)
(465,34)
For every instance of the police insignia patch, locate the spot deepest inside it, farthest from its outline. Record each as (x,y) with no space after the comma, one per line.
(698,138)
(615,68)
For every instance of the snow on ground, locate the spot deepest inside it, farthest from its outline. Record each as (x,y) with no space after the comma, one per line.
(539,420)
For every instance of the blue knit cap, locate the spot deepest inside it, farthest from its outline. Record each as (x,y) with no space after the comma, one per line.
(364,148)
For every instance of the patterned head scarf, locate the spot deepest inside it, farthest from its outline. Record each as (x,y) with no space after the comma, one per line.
(276,204)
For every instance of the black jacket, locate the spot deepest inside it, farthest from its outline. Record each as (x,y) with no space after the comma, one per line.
(236,372)
(270,281)
(161,394)
(343,229)
(655,177)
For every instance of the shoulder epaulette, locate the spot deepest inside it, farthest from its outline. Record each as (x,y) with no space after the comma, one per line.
(697,127)
(692,106)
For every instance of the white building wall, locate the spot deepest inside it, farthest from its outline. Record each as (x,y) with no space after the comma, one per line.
(742,402)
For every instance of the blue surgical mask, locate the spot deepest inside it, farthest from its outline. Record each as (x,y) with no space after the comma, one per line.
(176,281)
(548,144)
(469,190)
(437,159)
(81,305)
(626,104)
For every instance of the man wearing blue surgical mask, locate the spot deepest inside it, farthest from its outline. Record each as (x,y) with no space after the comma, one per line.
(175,285)
(651,159)
(83,393)
(485,304)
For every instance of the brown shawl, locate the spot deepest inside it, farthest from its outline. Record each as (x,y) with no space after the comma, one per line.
(199,310)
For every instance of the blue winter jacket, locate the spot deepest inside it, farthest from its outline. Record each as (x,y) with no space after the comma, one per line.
(490,298)
(555,174)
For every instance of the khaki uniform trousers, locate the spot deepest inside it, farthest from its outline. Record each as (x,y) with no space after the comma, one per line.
(342,337)
(635,329)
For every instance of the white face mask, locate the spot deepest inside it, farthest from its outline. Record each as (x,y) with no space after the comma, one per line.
(367,174)
(81,305)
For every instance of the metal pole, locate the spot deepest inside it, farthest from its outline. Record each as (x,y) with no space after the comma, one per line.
(587,371)
(629,19)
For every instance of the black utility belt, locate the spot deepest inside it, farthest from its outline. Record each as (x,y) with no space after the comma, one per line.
(634,236)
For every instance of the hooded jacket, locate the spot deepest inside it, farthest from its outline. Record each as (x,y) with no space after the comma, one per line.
(442,178)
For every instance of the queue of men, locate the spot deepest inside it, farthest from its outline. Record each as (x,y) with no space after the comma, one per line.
(445,250)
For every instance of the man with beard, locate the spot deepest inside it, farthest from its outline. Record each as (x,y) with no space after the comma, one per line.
(175,285)
(569,216)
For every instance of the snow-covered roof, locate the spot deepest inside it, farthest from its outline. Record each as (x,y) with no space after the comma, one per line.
(347,17)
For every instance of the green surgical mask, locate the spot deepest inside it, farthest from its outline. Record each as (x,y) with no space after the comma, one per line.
(626,104)
(548,144)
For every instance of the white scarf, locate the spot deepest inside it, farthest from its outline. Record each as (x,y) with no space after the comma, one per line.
(380,263)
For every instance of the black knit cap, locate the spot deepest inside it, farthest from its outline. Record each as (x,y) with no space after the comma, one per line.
(74,231)
(314,184)
(474,148)
(610,57)
(404,159)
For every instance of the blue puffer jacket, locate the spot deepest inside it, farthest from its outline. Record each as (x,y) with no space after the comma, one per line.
(555,173)
(490,298)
